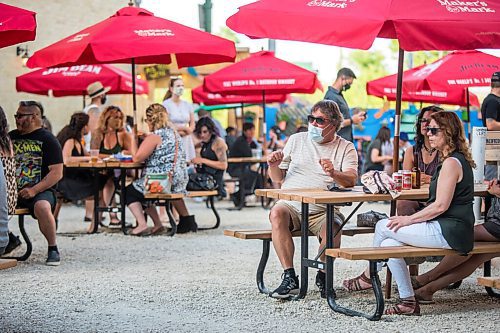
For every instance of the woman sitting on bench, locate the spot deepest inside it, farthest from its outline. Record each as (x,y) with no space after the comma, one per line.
(455,268)
(447,222)
(162,152)
(213,154)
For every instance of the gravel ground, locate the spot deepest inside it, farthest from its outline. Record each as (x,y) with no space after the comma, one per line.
(202,282)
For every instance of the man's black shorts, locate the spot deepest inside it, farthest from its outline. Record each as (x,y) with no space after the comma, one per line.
(47,195)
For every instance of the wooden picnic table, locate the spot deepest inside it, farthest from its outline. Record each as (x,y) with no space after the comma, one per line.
(320,196)
(101,165)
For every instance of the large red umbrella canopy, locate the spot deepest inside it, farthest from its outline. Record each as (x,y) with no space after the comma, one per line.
(261,73)
(16,25)
(135,33)
(202,96)
(73,80)
(386,87)
(417,25)
(454,72)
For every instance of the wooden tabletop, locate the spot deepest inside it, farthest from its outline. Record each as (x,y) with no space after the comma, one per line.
(318,196)
(104,165)
(246,160)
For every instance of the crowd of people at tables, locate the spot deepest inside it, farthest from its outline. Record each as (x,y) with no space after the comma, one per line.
(441,150)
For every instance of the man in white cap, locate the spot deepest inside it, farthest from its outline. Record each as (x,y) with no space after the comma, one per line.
(97,93)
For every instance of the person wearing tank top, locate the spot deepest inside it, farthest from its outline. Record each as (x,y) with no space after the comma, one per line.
(446,222)
(111,138)
(213,154)
(427,159)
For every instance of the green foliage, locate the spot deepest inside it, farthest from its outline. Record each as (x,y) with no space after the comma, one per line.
(227,33)
(417,58)
(367,66)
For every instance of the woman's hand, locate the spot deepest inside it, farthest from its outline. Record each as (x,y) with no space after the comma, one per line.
(197,160)
(397,222)
(425,179)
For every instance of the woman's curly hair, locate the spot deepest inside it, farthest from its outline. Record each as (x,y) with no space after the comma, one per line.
(157,115)
(454,134)
(104,118)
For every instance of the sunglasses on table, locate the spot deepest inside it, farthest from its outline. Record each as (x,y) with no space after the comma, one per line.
(433,130)
(318,120)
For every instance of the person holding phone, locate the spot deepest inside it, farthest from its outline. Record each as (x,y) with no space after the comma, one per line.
(343,82)
(309,159)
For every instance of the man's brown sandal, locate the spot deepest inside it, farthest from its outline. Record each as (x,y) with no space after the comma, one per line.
(405,308)
(355,285)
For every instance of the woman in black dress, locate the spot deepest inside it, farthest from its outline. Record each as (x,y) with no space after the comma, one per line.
(213,154)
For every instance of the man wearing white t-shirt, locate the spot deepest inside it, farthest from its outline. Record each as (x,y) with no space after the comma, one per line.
(312,159)
(97,94)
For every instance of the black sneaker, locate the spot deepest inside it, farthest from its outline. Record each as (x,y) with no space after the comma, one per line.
(321,284)
(14,242)
(289,287)
(53,258)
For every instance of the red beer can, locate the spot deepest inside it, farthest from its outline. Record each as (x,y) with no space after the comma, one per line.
(406,180)
(398,180)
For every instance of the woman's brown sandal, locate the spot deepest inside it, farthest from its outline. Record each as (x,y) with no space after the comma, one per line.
(404,307)
(355,285)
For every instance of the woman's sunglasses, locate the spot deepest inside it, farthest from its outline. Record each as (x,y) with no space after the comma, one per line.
(433,130)
(318,120)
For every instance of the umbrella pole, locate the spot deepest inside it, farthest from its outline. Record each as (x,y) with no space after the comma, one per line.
(83,97)
(264,125)
(397,120)
(469,129)
(134,102)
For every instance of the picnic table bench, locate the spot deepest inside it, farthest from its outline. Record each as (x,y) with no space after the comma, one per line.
(7,263)
(164,199)
(266,236)
(379,254)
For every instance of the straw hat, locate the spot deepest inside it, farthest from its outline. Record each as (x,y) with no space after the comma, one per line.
(97,89)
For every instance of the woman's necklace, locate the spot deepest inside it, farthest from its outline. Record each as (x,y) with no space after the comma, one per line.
(430,151)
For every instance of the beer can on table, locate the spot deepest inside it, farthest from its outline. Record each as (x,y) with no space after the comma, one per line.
(406,180)
(398,180)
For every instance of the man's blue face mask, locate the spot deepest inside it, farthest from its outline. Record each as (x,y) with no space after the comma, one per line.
(315,133)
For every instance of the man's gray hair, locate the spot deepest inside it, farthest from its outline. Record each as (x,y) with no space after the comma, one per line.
(331,110)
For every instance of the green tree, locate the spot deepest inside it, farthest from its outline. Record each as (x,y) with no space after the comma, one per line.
(367,65)
(417,58)
(227,33)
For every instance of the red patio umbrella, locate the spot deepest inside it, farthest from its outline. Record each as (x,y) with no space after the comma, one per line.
(386,87)
(73,80)
(417,25)
(202,96)
(17,25)
(262,73)
(454,73)
(134,35)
